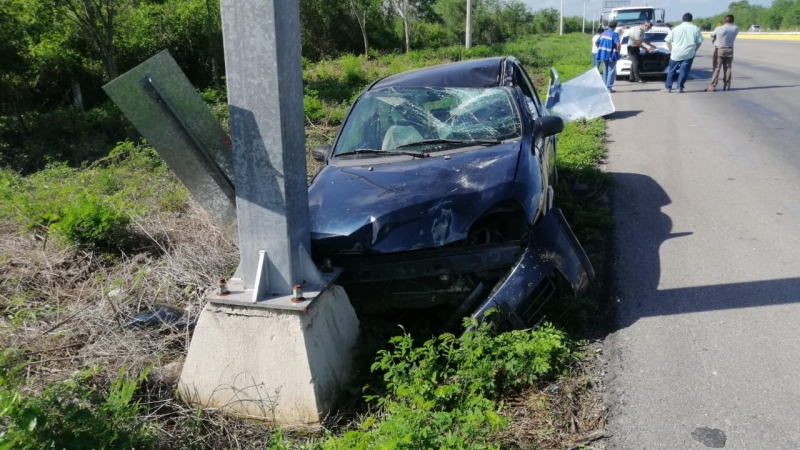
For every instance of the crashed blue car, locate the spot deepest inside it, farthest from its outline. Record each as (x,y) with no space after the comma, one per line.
(438,189)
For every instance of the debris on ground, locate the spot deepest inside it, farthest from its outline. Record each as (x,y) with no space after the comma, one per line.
(159,315)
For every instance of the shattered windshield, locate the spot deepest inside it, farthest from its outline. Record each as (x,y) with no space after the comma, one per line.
(396,120)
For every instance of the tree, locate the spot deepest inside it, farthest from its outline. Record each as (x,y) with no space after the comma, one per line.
(14,63)
(545,21)
(97,20)
(327,28)
(361,9)
(404,10)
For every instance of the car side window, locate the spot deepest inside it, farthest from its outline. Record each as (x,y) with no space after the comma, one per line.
(531,99)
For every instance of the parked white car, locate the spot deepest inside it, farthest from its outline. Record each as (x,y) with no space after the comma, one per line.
(754,29)
(652,63)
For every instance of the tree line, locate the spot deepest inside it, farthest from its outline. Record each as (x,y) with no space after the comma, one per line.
(780,15)
(60,52)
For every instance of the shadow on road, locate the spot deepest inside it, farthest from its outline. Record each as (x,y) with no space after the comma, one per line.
(700,74)
(755,88)
(642,228)
(623,114)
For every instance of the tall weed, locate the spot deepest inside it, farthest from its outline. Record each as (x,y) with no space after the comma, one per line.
(93,206)
(73,414)
(447,392)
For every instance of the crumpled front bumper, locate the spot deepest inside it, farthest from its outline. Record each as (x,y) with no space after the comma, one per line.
(553,247)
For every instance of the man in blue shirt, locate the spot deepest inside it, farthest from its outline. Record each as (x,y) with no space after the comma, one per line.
(683,42)
(608,51)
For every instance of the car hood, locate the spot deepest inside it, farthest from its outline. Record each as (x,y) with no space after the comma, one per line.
(661,47)
(407,205)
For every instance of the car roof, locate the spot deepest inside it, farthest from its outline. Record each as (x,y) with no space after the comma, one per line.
(484,72)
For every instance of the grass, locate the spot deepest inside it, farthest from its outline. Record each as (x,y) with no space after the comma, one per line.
(66,296)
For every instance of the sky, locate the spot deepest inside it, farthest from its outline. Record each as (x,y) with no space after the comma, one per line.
(675,8)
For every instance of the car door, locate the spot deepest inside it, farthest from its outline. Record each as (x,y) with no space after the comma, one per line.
(544,148)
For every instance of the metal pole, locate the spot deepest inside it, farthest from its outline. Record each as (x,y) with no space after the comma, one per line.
(583,25)
(468,43)
(265,98)
(561,19)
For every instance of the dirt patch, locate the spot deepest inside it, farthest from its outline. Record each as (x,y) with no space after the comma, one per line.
(566,413)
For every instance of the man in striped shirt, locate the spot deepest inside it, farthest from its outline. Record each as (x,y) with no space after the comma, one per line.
(608,51)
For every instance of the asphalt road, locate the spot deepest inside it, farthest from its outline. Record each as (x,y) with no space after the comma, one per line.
(707,258)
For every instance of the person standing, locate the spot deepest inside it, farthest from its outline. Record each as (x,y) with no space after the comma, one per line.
(608,51)
(595,61)
(723,37)
(683,42)
(636,41)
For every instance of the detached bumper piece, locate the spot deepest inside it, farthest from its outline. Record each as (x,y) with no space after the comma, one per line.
(528,286)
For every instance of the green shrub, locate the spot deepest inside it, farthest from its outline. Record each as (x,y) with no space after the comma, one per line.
(352,68)
(92,206)
(71,414)
(447,393)
(93,223)
(338,113)
(313,107)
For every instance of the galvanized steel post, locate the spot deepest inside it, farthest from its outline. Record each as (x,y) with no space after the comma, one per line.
(265,95)
(468,40)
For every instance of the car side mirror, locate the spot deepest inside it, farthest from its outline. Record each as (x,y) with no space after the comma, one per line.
(320,152)
(548,126)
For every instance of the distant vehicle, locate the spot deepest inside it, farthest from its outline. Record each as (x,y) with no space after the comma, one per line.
(652,63)
(754,29)
(629,16)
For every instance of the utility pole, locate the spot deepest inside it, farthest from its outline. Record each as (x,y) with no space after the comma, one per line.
(561,19)
(468,42)
(583,25)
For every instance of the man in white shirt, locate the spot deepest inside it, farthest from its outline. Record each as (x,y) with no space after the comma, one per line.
(595,61)
(723,37)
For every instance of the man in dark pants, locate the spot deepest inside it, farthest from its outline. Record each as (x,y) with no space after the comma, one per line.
(723,37)
(636,41)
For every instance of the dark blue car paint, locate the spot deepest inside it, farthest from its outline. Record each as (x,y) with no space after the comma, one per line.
(552,247)
(476,73)
(378,205)
(409,205)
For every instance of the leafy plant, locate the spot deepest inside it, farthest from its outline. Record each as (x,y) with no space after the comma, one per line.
(92,222)
(72,414)
(92,206)
(313,107)
(447,392)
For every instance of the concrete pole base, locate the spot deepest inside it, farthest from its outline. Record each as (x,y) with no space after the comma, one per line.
(279,365)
